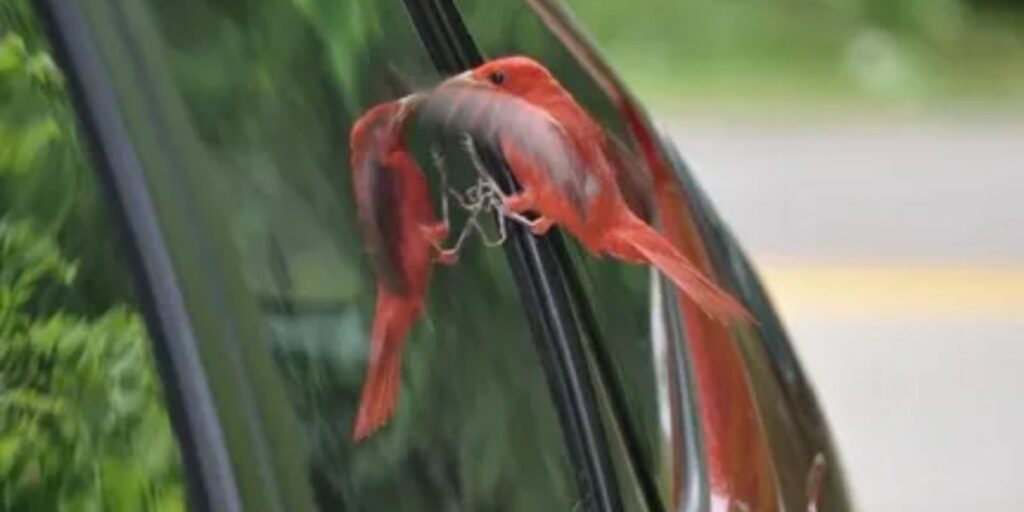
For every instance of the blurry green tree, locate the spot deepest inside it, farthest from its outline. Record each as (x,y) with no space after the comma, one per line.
(838,50)
(82,421)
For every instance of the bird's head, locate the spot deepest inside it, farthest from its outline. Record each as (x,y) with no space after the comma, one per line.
(517,75)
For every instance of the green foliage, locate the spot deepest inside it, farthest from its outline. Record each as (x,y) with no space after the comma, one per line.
(24,137)
(901,50)
(82,422)
(44,174)
(82,425)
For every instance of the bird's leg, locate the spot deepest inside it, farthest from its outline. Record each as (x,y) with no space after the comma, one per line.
(488,192)
(473,201)
(438,159)
(502,233)
(463,200)
(541,225)
(450,255)
(470,201)
(485,180)
(538,226)
(474,157)
(521,202)
(515,205)
(478,198)
(436,234)
(511,206)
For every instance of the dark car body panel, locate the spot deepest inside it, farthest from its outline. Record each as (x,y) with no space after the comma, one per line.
(537,381)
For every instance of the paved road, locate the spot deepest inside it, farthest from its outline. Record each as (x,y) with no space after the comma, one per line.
(895,253)
(948,189)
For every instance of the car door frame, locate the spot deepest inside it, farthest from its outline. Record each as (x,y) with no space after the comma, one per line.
(210,461)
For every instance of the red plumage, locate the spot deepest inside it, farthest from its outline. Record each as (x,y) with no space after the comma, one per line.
(570,171)
(401,232)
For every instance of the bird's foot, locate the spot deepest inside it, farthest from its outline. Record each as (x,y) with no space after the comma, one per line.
(539,226)
(521,202)
(447,256)
(435,233)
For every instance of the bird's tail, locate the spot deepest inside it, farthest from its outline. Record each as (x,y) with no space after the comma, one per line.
(635,237)
(392,321)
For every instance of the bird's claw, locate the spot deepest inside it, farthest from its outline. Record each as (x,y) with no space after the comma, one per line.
(519,203)
(435,233)
(447,256)
(484,195)
(541,225)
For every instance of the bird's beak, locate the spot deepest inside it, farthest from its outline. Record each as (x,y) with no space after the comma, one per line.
(408,103)
(463,79)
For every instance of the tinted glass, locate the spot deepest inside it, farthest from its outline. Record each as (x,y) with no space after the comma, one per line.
(82,420)
(614,298)
(262,96)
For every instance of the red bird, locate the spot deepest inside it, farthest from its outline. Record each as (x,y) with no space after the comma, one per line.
(566,166)
(402,236)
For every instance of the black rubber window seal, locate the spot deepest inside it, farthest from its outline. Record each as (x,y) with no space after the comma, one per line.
(542,283)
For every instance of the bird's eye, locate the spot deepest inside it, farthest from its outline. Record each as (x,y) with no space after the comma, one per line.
(498,77)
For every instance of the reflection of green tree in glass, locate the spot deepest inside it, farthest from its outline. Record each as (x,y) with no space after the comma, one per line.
(82,424)
(271,90)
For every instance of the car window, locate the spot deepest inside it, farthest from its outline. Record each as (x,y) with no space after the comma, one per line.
(83,423)
(260,98)
(615,299)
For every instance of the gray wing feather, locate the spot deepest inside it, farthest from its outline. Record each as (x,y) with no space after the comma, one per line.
(379,218)
(496,118)
(633,177)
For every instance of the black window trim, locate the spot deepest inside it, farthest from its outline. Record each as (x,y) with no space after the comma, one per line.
(690,455)
(545,284)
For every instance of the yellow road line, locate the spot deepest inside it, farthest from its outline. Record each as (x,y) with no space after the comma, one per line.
(896,291)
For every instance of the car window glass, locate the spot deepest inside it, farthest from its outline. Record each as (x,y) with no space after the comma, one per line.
(271,90)
(616,295)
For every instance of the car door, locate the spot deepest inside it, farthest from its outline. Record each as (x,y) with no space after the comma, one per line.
(539,378)
(223,129)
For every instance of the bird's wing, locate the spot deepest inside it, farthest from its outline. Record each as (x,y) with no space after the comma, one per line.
(378,194)
(633,178)
(503,120)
